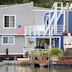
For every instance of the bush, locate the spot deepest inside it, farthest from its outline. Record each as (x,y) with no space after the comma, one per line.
(55,51)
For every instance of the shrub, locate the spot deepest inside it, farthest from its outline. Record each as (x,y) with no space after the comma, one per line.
(55,51)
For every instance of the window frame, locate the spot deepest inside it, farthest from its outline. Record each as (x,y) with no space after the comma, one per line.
(4,22)
(8,40)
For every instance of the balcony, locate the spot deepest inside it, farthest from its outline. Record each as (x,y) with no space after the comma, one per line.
(39,30)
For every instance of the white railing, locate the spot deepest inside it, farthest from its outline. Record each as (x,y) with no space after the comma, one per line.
(53,30)
(50,22)
(37,50)
(34,29)
(59,29)
(40,29)
(57,6)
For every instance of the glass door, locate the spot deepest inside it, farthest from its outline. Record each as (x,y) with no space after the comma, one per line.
(55,42)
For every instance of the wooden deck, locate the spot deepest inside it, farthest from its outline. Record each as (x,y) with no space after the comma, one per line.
(11,57)
(65,60)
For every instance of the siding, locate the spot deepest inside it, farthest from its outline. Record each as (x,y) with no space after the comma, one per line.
(24,16)
(17,48)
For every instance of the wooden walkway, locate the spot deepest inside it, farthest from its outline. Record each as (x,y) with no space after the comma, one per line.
(65,60)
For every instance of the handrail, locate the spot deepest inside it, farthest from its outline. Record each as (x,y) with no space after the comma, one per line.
(35,30)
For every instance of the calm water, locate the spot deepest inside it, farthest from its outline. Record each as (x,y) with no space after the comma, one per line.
(15,68)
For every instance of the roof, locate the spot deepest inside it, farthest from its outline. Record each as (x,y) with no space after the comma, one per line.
(41,8)
(1,6)
(12,5)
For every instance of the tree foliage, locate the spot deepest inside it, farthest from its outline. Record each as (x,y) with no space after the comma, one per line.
(40,3)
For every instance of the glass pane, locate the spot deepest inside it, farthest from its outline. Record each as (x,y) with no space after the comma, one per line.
(11,21)
(10,39)
(5,39)
(53,42)
(57,42)
(6,20)
(42,43)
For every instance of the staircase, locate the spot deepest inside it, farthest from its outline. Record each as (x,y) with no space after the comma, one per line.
(68,52)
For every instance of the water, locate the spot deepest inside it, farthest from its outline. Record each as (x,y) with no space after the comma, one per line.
(19,68)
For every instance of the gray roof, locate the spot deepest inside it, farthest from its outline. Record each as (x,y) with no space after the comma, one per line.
(40,8)
(3,6)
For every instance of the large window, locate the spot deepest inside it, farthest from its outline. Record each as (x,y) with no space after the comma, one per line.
(8,40)
(42,43)
(9,21)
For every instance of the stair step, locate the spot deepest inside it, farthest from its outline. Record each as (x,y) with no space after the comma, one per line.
(68,52)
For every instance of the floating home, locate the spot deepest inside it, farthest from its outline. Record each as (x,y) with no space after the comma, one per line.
(24,27)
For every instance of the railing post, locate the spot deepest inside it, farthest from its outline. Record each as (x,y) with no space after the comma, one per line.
(67,16)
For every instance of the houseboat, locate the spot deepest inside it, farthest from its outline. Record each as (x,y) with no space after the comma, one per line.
(24,27)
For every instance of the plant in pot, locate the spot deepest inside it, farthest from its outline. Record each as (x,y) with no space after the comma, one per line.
(32,56)
(55,54)
(42,55)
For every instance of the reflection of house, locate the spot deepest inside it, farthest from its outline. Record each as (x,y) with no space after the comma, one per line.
(23,26)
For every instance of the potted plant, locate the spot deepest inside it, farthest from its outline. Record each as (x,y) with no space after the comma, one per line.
(55,54)
(43,55)
(32,56)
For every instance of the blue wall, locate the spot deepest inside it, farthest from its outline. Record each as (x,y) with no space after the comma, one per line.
(61,20)
(70,21)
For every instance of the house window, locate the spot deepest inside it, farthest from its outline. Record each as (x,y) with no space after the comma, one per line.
(9,21)
(8,40)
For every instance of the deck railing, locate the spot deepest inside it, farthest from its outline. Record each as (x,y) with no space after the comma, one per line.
(34,29)
(40,29)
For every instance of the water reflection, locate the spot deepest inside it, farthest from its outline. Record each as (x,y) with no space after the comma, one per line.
(18,68)
(15,68)
(41,69)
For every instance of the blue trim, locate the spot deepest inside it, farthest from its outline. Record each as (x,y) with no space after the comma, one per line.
(41,35)
(37,35)
(62,43)
(45,17)
(46,35)
(32,35)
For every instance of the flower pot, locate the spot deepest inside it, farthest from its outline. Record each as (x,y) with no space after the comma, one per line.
(54,59)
